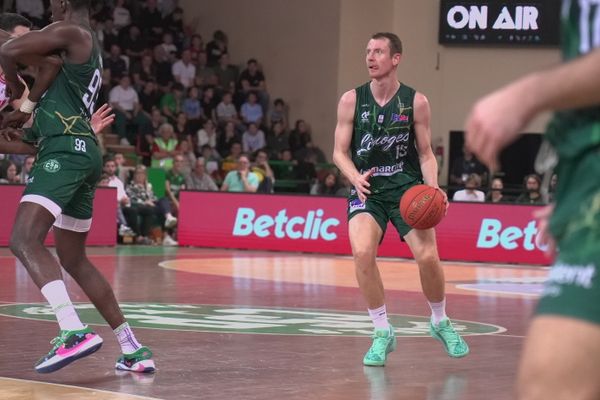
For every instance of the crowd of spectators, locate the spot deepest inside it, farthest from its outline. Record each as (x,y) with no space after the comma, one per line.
(183,106)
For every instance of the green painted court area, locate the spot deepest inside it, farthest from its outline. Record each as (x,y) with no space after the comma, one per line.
(253,320)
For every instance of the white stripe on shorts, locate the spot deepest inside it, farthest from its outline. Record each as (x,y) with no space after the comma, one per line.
(48,204)
(69,223)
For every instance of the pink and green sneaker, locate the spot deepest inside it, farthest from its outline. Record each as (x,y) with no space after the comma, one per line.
(68,347)
(139,361)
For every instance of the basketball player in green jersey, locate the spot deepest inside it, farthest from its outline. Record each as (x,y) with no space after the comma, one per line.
(383,146)
(562,349)
(61,187)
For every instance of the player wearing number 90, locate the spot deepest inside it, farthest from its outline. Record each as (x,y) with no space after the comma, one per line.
(61,186)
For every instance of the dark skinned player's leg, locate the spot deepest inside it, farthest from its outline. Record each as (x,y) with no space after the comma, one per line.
(32,224)
(70,247)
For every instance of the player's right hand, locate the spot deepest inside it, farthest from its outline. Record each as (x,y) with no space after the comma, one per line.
(361,184)
(15,119)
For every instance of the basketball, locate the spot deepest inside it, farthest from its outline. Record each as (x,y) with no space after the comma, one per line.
(422,207)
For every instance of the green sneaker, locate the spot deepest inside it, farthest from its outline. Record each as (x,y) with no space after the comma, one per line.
(384,342)
(139,361)
(444,332)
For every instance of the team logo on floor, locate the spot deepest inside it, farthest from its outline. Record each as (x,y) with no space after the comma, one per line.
(244,319)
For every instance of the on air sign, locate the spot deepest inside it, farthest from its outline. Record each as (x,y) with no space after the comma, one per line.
(470,231)
(534,22)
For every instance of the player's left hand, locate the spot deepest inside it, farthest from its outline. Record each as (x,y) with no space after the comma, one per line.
(494,122)
(102,118)
(11,134)
(446,203)
(15,119)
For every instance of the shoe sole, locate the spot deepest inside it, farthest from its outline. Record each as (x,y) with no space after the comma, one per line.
(96,344)
(438,338)
(388,351)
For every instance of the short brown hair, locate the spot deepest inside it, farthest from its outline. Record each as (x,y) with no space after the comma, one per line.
(394,41)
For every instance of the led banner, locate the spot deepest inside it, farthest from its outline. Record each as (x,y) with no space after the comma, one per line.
(470,232)
(104,222)
(513,23)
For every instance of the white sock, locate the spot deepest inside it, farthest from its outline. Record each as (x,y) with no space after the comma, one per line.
(169,215)
(56,294)
(126,338)
(438,311)
(379,317)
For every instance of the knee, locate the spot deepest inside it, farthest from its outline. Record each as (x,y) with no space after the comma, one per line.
(364,257)
(20,242)
(427,257)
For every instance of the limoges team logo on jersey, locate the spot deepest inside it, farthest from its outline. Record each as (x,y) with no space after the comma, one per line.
(248,319)
(51,166)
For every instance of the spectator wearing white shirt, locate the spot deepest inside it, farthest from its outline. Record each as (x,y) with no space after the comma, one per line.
(123,203)
(470,192)
(121,15)
(183,70)
(206,135)
(124,101)
(253,139)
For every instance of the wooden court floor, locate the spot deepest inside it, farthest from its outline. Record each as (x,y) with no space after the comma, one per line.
(258,325)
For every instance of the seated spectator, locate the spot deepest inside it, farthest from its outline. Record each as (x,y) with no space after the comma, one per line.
(231,161)
(206,135)
(345,186)
(172,102)
(253,139)
(495,194)
(143,72)
(226,111)
(532,193)
(470,192)
(116,64)
(26,169)
(134,45)
(189,157)
(208,103)
(300,136)
(312,149)
(149,97)
(279,140)
(151,21)
(167,45)
(124,173)
(129,117)
(278,114)
(169,205)
(121,15)
(124,214)
(226,138)
(263,171)
(196,47)
(252,80)
(199,179)
(10,173)
(242,179)
(216,47)
(164,76)
(184,71)
(552,188)
(204,73)
(466,165)
(211,161)
(306,170)
(251,111)
(184,129)
(145,212)
(226,73)
(173,21)
(328,186)
(164,148)
(191,105)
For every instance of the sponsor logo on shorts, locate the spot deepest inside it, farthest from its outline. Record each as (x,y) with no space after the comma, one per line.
(51,166)
(247,319)
(356,204)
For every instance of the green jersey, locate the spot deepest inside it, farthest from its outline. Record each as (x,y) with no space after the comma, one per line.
(68,104)
(573,132)
(384,140)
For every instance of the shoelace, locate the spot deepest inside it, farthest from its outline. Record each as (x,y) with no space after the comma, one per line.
(58,341)
(450,335)
(380,343)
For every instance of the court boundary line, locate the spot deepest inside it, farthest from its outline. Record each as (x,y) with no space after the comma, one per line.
(136,396)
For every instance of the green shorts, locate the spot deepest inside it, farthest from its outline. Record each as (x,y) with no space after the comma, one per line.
(573,286)
(63,180)
(384,207)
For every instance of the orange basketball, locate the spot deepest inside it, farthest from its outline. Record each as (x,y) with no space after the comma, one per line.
(422,207)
